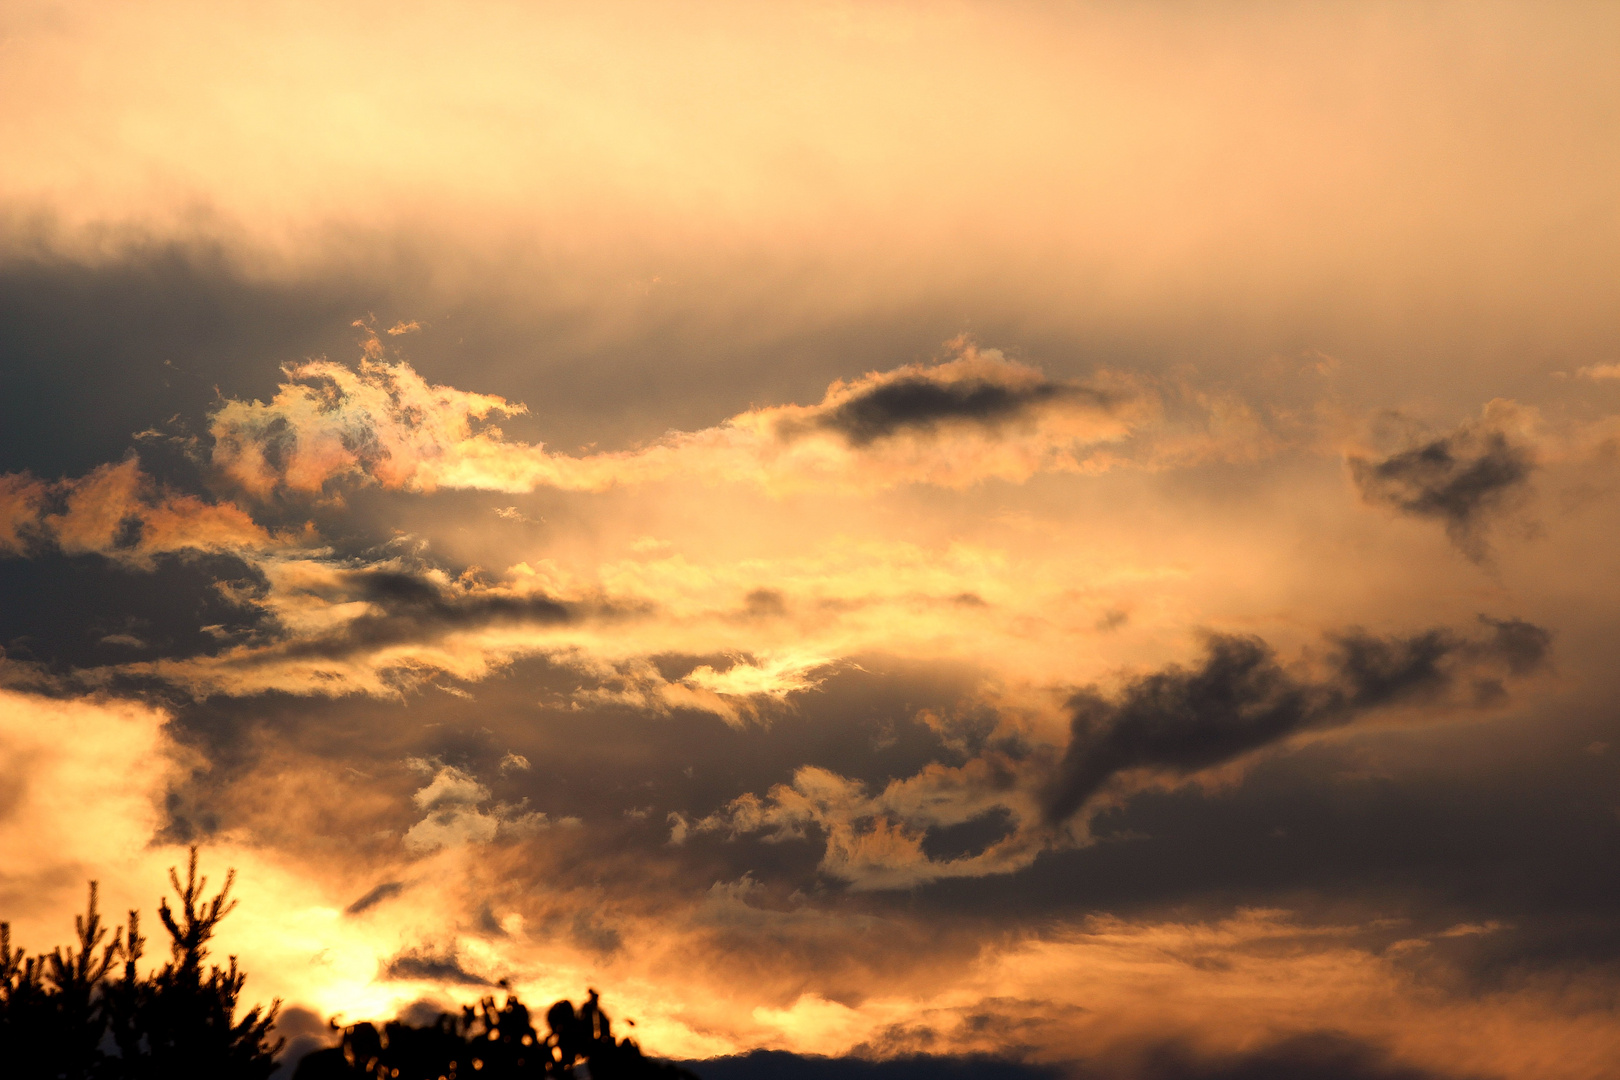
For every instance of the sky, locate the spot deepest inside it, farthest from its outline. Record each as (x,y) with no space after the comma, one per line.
(1069,537)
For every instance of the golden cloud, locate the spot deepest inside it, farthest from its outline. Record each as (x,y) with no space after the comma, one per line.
(954,424)
(124,514)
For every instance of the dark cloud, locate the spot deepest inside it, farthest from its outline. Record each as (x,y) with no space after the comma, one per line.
(415,608)
(77,612)
(919,403)
(588,932)
(1524,839)
(1442,833)
(781,1065)
(1241,698)
(421,601)
(67,612)
(385,891)
(1521,645)
(152,334)
(429,965)
(1414,829)
(91,353)
(1459,479)
(595,761)
(970,837)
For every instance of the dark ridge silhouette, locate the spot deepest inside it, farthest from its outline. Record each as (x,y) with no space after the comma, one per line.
(1322,1055)
(782,1065)
(1180,720)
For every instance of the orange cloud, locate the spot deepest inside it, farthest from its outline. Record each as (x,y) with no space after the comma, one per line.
(20,497)
(122,513)
(953,424)
(380,421)
(876,841)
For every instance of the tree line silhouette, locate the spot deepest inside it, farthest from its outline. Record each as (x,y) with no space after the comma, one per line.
(69,1015)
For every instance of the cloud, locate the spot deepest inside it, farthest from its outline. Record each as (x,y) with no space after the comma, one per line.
(425,964)
(740,691)
(121,512)
(979,389)
(1178,721)
(1461,478)
(386,891)
(1222,188)
(78,786)
(380,421)
(1600,371)
(457,815)
(327,625)
(20,499)
(975,416)
(407,605)
(378,629)
(889,840)
(1010,801)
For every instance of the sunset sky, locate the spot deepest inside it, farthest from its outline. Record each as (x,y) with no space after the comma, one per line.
(1083,534)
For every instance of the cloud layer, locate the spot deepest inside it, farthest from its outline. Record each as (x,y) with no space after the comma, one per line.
(1075,540)
(975,417)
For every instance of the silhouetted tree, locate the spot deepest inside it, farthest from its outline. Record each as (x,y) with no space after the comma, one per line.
(25,1008)
(57,1011)
(183,1022)
(491,1043)
(50,1012)
(64,1017)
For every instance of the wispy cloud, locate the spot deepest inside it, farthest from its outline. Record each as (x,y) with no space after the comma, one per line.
(1462,478)
(953,424)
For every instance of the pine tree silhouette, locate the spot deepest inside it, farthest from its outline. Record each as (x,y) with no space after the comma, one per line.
(25,1008)
(50,1021)
(184,1021)
(64,1017)
(57,1010)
